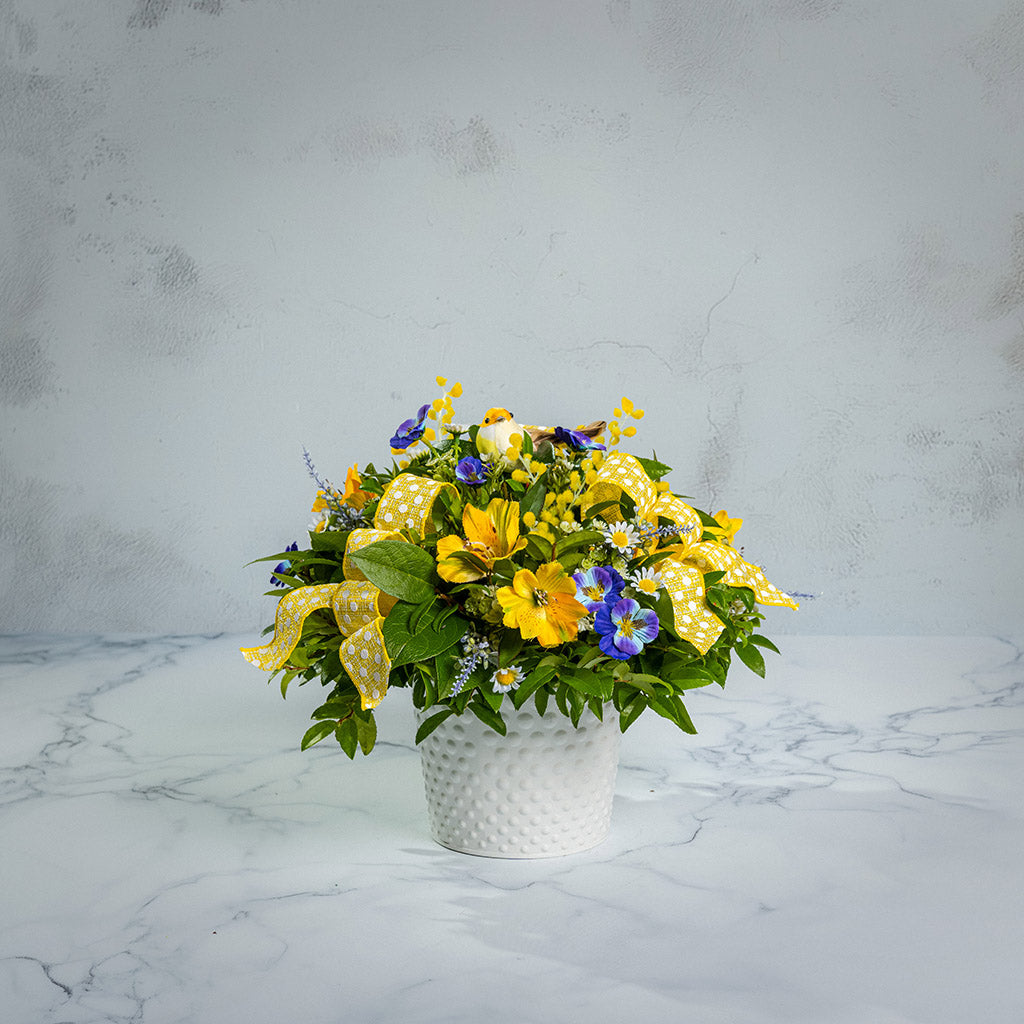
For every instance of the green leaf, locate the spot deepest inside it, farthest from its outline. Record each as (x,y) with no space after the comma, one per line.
(671,707)
(601,506)
(751,657)
(587,682)
(711,578)
(645,682)
(537,548)
(509,645)
(334,709)
(578,540)
(399,569)
(763,641)
(436,634)
(690,678)
(533,499)
(428,725)
(366,730)
(347,735)
(653,468)
(444,675)
(636,709)
(419,613)
(540,700)
(329,540)
(489,717)
(315,733)
(532,683)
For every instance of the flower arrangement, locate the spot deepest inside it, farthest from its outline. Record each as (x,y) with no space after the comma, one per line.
(498,562)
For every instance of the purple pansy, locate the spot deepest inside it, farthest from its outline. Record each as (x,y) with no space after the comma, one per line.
(410,431)
(576,441)
(625,628)
(283,566)
(471,471)
(598,586)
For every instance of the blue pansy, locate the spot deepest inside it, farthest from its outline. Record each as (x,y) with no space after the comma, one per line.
(410,431)
(283,566)
(471,471)
(598,586)
(625,628)
(576,441)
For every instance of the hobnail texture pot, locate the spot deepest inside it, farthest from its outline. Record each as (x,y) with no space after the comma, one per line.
(543,790)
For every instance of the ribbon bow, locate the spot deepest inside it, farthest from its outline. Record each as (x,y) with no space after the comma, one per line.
(683,573)
(359,607)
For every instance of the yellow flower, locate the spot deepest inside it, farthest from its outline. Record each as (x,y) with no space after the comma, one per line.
(542,606)
(726,528)
(354,495)
(491,533)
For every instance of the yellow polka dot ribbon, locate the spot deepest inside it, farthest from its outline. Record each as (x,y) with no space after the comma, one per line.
(358,606)
(407,503)
(683,574)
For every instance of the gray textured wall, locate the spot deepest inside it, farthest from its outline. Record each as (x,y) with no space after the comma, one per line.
(793,230)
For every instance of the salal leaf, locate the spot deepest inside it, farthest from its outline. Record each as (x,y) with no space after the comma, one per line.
(399,569)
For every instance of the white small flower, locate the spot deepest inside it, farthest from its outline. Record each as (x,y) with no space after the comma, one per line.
(647,581)
(620,536)
(505,678)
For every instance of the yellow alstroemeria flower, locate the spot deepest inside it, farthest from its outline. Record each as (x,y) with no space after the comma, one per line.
(354,495)
(542,606)
(490,534)
(726,529)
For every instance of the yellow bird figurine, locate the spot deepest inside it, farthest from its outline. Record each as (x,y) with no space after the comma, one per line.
(494,435)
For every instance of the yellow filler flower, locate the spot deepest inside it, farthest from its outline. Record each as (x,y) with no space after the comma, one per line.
(726,528)
(542,605)
(491,533)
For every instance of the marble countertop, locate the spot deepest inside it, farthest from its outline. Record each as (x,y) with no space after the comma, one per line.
(841,843)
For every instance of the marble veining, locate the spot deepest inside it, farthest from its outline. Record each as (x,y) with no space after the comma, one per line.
(841,843)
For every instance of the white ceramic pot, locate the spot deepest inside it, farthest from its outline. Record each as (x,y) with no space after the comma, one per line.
(543,790)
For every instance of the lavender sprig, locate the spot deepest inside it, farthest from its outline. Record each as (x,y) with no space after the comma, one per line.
(349,516)
(477,651)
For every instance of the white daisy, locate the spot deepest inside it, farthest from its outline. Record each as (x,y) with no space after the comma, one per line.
(647,581)
(620,536)
(505,678)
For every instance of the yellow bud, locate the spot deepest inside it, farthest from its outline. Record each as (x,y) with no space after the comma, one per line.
(436,404)
(574,480)
(617,412)
(447,417)
(661,486)
(520,476)
(441,381)
(537,468)
(591,477)
(627,405)
(529,519)
(430,433)
(549,517)
(404,464)
(630,431)
(456,390)
(549,500)
(637,414)
(614,429)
